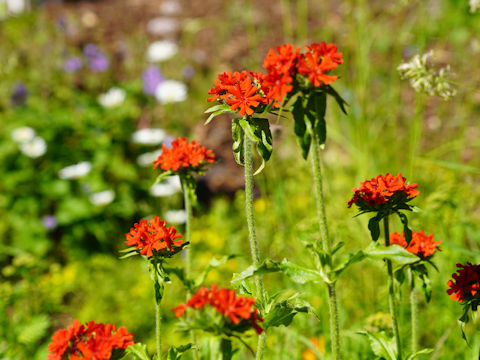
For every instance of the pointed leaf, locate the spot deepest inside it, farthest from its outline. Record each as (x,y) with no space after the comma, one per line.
(139,351)
(420,352)
(281,313)
(162,176)
(406,230)
(352,259)
(340,101)
(238,141)
(374,227)
(382,345)
(302,131)
(176,352)
(394,253)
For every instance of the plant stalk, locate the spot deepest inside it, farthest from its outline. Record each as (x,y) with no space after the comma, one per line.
(189,251)
(326,245)
(252,236)
(414,313)
(158,316)
(392,304)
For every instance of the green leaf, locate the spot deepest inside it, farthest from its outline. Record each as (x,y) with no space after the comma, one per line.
(394,253)
(382,346)
(374,226)
(427,286)
(226,349)
(302,131)
(399,275)
(316,109)
(176,352)
(406,230)
(296,273)
(238,142)
(179,272)
(420,352)
(163,176)
(265,145)
(249,129)
(189,184)
(139,351)
(340,101)
(217,110)
(352,259)
(282,313)
(214,263)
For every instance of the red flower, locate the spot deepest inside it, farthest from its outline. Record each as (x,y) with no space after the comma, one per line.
(467,282)
(226,302)
(281,62)
(421,244)
(184,155)
(244,95)
(379,190)
(91,342)
(316,66)
(327,50)
(225,79)
(147,237)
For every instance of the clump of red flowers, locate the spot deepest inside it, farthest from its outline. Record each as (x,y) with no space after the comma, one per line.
(225,301)
(91,341)
(382,189)
(421,244)
(467,282)
(148,237)
(184,156)
(249,92)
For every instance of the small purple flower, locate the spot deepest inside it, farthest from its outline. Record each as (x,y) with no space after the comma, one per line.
(49,222)
(19,94)
(91,50)
(152,77)
(188,72)
(168,141)
(72,64)
(98,63)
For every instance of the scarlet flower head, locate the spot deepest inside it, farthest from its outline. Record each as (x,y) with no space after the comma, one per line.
(467,282)
(91,341)
(154,237)
(236,308)
(421,244)
(242,92)
(184,156)
(317,61)
(384,190)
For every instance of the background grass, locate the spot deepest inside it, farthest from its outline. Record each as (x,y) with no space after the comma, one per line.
(48,278)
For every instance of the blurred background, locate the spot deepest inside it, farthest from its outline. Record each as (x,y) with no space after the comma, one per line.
(89,90)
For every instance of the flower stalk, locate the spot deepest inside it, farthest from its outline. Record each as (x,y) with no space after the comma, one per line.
(158,285)
(252,236)
(414,312)
(326,246)
(392,304)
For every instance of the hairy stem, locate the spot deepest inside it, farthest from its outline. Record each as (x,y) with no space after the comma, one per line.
(414,313)
(392,304)
(326,245)
(189,250)
(158,317)
(252,236)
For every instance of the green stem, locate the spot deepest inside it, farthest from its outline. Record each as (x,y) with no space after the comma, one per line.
(414,313)
(392,304)
(252,236)
(189,250)
(326,245)
(158,315)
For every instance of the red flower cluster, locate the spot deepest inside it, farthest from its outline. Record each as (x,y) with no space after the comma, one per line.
(421,244)
(317,61)
(467,282)
(225,301)
(155,235)
(379,190)
(246,91)
(183,155)
(88,342)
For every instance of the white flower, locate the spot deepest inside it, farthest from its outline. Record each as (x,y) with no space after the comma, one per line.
(113,97)
(23,134)
(148,158)
(16,6)
(162,26)
(75,171)
(176,216)
(175,182)
(34,148)
(161,50)
(149,136)
(474,5)
(170,7)
(171,91)
(163,189)
(102,198)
